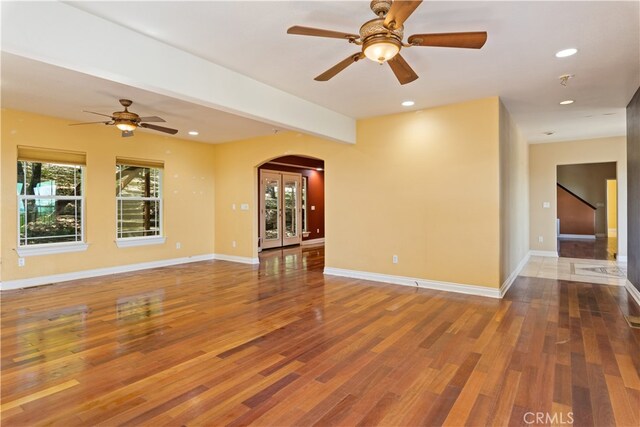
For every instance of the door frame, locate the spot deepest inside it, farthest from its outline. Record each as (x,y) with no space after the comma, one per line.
(282,240)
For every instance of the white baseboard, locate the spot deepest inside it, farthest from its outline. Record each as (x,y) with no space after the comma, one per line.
(312,241)
(415,282)
(577,236)
(552,254)
(635,294)
(84,274)
(234,258)
(512,277)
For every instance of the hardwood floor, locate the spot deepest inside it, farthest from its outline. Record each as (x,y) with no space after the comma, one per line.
(218,343)
(603,248)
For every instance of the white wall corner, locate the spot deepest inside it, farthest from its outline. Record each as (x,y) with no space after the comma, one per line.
(415,282)
(514,274)
(635,294)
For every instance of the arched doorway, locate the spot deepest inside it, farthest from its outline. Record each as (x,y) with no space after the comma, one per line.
(290,201)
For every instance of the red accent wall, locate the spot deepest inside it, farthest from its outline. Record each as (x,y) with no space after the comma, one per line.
(315,196)
(575,216)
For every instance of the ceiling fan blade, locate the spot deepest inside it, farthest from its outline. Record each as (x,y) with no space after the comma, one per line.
(404,73)
(339,67)
(317,32)
(159,128)
(90,123)
(100,114)
(154,119)
(399,12)
(127,133)
(470,40)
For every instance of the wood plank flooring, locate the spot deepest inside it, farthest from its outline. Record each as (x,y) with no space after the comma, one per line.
(604,248)
(217,343)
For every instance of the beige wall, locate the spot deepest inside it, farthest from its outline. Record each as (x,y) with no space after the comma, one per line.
(543,160)
(514,195)
(188,193)
(426,186)
(589,181)
(421,185)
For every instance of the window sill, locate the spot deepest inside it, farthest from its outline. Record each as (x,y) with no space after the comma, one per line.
(50,249)
(139,241)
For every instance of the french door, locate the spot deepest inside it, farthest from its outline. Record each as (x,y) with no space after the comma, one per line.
(280,208)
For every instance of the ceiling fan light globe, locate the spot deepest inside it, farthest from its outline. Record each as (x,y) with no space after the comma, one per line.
(126,126)
(381,51)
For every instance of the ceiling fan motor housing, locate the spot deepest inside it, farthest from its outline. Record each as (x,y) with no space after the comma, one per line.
(376,27)
(380,7)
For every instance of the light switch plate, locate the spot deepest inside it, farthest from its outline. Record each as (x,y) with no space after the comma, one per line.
(244,207)
(546,205)
(313,208)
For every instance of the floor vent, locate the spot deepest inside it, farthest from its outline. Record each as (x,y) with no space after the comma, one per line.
(633,321)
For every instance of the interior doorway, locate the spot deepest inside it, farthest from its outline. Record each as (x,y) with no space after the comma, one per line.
(280,208)
(587,207)
(291,202)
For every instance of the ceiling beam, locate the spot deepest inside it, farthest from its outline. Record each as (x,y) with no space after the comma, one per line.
(62,35)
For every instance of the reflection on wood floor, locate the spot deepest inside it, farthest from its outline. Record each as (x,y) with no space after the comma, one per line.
(603,248)
(219,343)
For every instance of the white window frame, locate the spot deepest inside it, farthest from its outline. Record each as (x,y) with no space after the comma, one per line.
(35,249)
(127,242)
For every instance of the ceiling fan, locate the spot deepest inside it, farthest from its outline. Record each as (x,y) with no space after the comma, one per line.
(128,121)
(381,39)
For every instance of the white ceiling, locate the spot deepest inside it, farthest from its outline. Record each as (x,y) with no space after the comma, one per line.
(34,86)
(517,63)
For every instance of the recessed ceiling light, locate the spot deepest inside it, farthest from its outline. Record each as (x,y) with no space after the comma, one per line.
(319,169)
(193,132)
(548,133)
(567,102)
(608,114)
(566,52)
(408,103)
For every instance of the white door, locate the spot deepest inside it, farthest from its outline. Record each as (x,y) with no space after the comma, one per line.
(280,213)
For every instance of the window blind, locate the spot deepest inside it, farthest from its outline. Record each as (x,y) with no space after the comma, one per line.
(46,155)
(145,163)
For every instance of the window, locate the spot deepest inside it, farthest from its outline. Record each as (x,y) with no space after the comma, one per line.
(50,194)
(139,202)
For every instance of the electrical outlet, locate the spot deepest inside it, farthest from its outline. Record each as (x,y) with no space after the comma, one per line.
(540,239)
(178,245)
(395,259)
(233,243)
(20,262)
(317,230)
(233,206)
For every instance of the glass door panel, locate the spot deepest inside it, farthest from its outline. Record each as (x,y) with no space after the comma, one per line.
(280,213)
(270,210)
(290,227)
(291,208)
